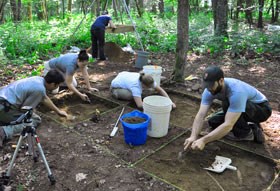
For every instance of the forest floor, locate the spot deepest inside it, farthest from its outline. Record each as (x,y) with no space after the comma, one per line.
(82,156)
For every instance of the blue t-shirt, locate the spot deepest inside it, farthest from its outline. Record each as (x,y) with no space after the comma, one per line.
(101,22)
(25,92)
(67,63)
(237,93)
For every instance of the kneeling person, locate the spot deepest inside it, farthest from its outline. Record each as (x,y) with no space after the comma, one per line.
(129,86)
(26,92)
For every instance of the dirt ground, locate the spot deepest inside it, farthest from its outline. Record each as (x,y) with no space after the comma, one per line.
(82,156)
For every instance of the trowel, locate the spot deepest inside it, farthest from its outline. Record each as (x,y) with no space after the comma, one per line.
(115,129)
(220,164)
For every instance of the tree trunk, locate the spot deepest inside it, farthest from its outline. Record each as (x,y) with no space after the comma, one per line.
(276,12)
(238,8)
(182,40)
(220,17)
(69,10)
(138,8)
(19,10)
(161,7)
(29,10)
(44,9)
(2,8)
(248,12)
(14,9)
(63,9)
(260,18)
(69,6)
(97,8)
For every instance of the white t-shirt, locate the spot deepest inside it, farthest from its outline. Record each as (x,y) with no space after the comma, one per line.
(130,81)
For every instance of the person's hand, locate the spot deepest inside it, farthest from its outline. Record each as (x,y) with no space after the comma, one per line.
(62,113)
(188,142)
(84,97)
(93,90)
(173,106)
(198,144)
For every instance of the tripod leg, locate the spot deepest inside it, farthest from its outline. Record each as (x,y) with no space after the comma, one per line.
(8,174)
(50,175)
(31,148)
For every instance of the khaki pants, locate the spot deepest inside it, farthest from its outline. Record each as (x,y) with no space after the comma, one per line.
(122,94)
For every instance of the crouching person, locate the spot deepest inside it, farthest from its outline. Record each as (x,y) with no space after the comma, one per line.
(26,92)
(129,86)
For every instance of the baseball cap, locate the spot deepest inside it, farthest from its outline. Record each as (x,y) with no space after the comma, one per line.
(211,75)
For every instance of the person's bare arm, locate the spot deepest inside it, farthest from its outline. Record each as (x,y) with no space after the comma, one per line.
(112,25)
(48,102)
(162,92)
(139,102)
(69,80)
(86,78)
(223,129)
(197,125)
(218,133)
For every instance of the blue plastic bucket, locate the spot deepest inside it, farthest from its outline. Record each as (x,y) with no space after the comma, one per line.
(135,134)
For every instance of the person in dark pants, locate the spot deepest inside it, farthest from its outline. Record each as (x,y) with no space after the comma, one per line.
(26,92)
(98,34)
(244,108)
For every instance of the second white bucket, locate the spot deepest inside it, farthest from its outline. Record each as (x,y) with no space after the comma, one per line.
(158,108)
(154,71)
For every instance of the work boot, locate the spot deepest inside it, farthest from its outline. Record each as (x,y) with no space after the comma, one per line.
(258,132)
(2,136)
(248,137)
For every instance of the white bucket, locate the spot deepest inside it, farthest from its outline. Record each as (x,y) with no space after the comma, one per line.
(158,108)
(154,71)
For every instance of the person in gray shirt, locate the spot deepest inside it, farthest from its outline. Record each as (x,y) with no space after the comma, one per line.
(68,64)
(26,92)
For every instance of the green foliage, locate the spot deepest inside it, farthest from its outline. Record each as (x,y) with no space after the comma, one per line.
(32,42)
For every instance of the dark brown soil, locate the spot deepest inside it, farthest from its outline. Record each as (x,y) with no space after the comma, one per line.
(82,156)
(134,120)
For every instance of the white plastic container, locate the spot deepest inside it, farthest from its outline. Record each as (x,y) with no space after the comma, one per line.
(158,108)
(154,71)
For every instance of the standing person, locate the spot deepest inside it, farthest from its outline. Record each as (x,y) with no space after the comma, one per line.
(26,92)
(98,34)
(129,86)
(68,64)
(244,108)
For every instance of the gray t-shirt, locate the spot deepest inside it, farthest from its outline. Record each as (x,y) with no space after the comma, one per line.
(25,92)
(237,92)
(67,63)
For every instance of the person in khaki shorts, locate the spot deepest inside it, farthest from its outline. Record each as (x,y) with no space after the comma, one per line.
(129,86)
(26,92)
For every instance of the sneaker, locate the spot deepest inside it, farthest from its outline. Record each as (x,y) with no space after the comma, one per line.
(258,132)
(2,137)
(249,137)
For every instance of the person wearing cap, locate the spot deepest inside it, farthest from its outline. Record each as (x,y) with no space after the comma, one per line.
(26,92)
(68,64)
(129,86)
(244,108)
(98,34)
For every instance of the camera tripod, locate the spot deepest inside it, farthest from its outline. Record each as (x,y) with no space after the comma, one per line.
(30,131)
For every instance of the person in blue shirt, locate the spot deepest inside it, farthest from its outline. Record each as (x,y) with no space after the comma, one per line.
(26,92)
(244,108)
(98,34)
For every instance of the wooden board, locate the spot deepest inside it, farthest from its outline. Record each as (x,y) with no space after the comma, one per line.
(121,29)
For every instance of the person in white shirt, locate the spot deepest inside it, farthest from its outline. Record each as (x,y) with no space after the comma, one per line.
(129,86)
